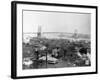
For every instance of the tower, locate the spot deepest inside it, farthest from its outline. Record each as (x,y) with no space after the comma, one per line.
(39,32)
(75,34)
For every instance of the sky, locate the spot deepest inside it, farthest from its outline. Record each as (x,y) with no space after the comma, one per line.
(56,22)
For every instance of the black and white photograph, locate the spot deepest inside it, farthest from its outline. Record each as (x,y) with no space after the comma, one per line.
(53,39)
(56,39)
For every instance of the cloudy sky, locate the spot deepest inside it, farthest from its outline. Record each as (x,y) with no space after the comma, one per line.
(56,22)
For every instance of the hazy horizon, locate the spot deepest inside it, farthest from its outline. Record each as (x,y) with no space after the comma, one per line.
(56,22)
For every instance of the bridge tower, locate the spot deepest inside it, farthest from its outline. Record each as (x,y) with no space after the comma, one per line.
(39,32)
(75,34)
